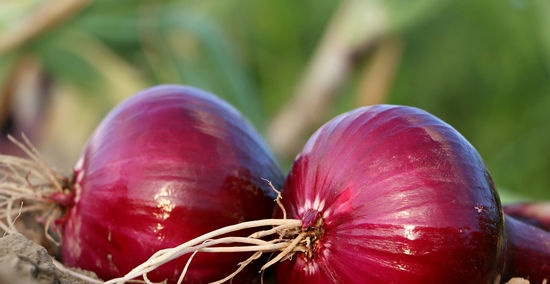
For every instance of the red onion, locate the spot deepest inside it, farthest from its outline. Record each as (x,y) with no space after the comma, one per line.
(528,240)
(167,165)
(528,251)
(392,194)
(381,194)
(384,194)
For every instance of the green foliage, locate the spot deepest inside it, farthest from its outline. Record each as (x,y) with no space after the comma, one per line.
(482,66)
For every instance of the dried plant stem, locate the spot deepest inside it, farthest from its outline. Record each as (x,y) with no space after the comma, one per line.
(48,173)
(27,184)
(182,275)
(286,251)
(278,198)
(31,186)
(291,238)
(206,242)
(242,265)
(378,75)
(78,275)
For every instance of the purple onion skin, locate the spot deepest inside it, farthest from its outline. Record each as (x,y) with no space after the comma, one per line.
(528,240)
(403,198)
(534,213)
(528,251)
(167,165)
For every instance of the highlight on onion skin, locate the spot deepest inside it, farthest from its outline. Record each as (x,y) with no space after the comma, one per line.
(392,194)
(176,185)
(167,165)
(384,194)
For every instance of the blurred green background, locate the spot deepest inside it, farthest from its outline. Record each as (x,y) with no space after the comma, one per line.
(288,66)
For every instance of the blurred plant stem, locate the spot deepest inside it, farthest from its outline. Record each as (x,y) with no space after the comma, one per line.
(48,15)
(377,77)
(354,29)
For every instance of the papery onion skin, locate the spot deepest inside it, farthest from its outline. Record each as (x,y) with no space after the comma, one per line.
(404,198)
(167,165)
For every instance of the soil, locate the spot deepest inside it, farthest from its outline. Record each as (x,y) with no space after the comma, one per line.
(24,262)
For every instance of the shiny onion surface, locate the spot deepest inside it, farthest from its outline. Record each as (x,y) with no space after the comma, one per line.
(392,194)
(166,165)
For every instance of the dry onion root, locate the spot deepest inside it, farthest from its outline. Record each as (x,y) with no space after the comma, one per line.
(172,112)
(30,186)
(445,167)
(208,243)
(26,186)
(292,238)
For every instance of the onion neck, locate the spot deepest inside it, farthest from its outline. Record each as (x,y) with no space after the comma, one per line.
(63,199)
(313,230)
